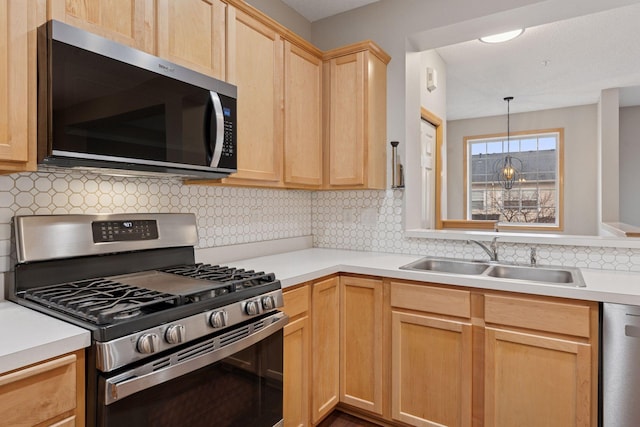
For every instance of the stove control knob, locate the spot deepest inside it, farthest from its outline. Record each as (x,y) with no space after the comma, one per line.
(174,334)
(268,302)
(252,308)
(218,319)
(147,343)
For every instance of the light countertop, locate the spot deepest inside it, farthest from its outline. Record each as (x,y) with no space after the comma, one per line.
(28,336)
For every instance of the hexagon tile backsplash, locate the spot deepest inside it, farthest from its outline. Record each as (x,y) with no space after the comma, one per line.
(368,220)
(225,216)
(372,221)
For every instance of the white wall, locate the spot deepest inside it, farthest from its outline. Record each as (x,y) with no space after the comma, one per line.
(608,157)
(580,159)
(403,27)
(285,15)
(629,162)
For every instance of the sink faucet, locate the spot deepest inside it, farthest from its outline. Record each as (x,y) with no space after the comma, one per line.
(534,258)
(491,250)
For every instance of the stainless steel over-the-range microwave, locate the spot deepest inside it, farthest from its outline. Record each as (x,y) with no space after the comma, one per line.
(110,108)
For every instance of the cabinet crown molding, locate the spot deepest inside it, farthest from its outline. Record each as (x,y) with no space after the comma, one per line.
(365,45)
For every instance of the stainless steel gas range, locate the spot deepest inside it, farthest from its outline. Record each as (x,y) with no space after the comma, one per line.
(174,342)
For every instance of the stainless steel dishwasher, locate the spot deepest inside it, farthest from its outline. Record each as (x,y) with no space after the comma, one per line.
(620,365)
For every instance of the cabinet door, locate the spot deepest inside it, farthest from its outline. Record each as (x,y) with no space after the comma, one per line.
(302,116)
(297,357)
(325,347)
(17,84)
(361,346)
(40,392)
(296,373)
(536,381)
(346,120)
(193,33)
(129,22)
(431,370)
(254,65)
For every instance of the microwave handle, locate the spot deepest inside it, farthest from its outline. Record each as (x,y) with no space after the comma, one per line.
(216,140)
(131,382)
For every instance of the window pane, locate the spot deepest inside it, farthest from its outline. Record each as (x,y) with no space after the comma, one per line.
(528,144)
(533,197)
(478,148)
(494,147)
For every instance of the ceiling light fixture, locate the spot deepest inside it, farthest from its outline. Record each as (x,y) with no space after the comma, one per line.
(502,37)
(508,168)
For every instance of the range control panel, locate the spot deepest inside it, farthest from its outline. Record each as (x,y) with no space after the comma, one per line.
(120,231)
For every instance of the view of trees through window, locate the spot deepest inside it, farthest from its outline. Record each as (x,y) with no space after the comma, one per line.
(533,199)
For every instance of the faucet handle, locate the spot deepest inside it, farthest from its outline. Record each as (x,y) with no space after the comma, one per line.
(533,256)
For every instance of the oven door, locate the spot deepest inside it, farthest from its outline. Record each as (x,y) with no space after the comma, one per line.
(230,379)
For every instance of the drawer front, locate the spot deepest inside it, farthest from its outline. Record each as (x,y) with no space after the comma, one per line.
(548,316)
(296,301)
(38,393)
(450,302)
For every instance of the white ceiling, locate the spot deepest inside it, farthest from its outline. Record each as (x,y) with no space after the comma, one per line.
(584,54)
(314,10)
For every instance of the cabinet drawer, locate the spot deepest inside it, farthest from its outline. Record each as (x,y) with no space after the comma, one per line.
(549,316)
(451,302)
(38,393)
(296,301)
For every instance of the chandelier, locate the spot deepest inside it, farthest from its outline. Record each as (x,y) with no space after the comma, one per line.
(508,168)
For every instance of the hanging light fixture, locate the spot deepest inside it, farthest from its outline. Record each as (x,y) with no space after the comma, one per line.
(508,168)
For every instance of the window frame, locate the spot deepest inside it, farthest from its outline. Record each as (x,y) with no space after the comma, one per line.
(559,224)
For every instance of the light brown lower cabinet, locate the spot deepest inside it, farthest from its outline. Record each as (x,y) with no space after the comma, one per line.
(361,343)
(297,357)
(325,347)
(536,381)
(431,356)
(50,393)
(421,354)
(546,374)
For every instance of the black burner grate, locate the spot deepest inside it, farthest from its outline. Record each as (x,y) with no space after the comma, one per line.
(101,301)
(236,279)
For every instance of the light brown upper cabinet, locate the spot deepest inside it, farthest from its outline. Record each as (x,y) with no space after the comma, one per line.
(254,65)
(17,85)
(302,117)
(192,33)
(278,76)
(129,22)
(355,102)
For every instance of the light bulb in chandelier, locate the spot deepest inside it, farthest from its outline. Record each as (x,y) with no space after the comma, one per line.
(509,171)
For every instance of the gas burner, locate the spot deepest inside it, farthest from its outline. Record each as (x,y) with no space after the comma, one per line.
(101,301)
(236,278)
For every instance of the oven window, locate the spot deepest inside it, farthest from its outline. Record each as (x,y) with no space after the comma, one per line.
(244,389)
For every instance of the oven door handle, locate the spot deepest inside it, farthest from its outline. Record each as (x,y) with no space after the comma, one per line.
(149,375)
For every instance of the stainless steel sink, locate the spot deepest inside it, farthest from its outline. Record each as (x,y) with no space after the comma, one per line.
(533,274)
(447,265)
(538,274)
